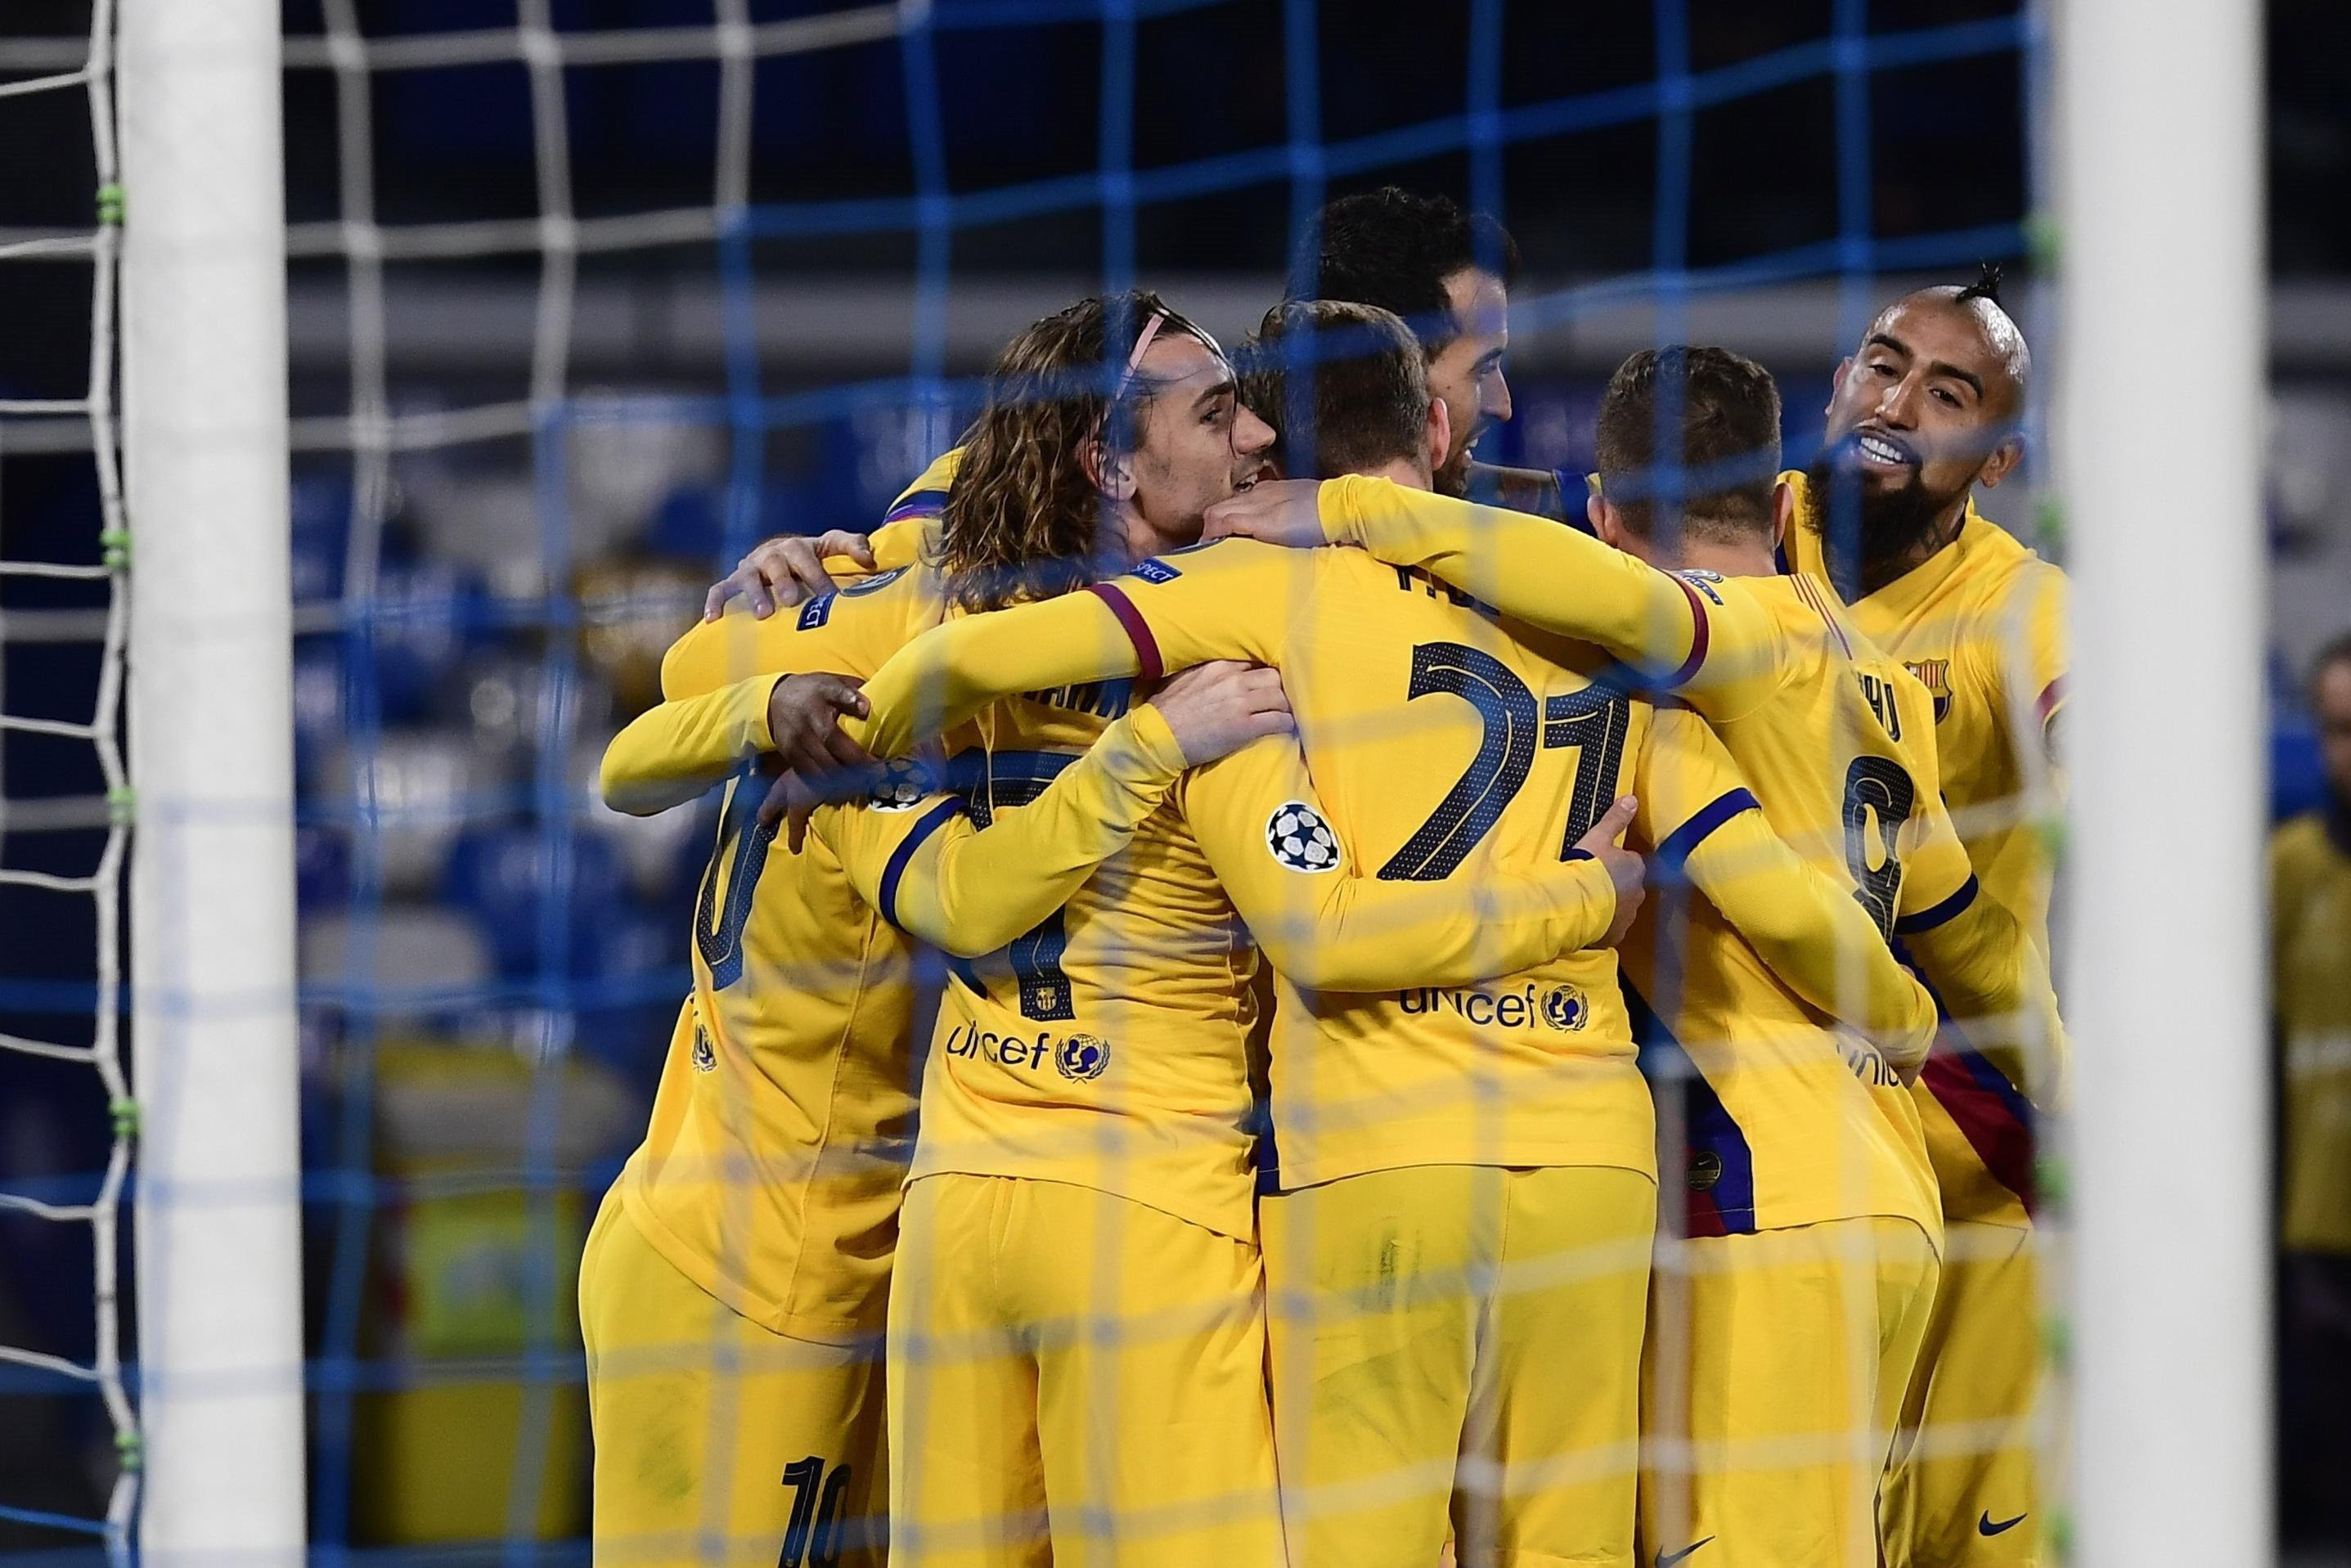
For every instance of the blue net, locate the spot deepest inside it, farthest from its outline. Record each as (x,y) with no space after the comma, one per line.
(589,299)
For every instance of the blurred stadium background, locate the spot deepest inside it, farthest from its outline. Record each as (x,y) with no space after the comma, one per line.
(490,958)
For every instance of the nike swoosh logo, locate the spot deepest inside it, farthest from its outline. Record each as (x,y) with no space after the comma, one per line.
(1984,1526)
(1666,1562)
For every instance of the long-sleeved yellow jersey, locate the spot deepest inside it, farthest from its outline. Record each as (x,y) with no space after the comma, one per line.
(1981,623)
(1840,742)
(1106,1046)
(783,1124)
(1447,747)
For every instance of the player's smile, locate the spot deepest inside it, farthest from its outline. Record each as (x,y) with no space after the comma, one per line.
(1880,451)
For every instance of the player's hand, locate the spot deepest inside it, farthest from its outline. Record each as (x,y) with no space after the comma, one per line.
(1906,1049)
(784,570)
(1216,708)
(1626,869)
(788,800)
(1278,511)
(804,723)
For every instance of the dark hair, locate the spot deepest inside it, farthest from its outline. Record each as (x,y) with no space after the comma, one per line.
(1723,477)
(1344,386)
(1023,516)
(1394,249)
(1985,286)
(2337,651)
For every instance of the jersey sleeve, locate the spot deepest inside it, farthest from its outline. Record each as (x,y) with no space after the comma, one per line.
(2039,659)
(1223,603)
(1993,981)
(1700,635)
(1329,926)
(969,890)
(1710,833)
(672,752)
(853,630)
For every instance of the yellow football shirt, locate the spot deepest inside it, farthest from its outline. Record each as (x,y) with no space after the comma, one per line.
(1786,1123)
(1981,625)
(1446,747)
(784,1119)
(2310,944)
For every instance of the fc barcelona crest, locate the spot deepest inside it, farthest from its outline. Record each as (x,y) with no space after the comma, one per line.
(1935,674)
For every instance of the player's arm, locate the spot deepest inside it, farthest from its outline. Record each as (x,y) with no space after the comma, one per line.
(1329,925)
(968,890)
(930,872)
(2041,655)
(1709,830)
(1163,617)
(1991,976)
(1712,642)
(705,727)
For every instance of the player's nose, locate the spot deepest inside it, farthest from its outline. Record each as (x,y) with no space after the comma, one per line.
(1250,433)
(1498,399)
(1898,405)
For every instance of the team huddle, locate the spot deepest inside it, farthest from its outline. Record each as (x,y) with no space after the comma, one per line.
(1350,877)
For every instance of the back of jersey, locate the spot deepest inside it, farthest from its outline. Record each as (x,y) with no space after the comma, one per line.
(1444,744)
(1791,1123)
(781,1132)
(1106,1048)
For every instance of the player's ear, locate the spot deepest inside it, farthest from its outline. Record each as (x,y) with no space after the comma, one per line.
(1836,378)
(2001,462)
(1607,523)
(1110,473)
(1783,511)
(1439,433)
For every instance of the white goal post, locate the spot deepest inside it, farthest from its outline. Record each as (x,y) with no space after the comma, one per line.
(205,406)
(2158,141)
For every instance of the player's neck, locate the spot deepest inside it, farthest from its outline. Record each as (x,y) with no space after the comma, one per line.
(1941,536)
(1408,474)
(1746,559)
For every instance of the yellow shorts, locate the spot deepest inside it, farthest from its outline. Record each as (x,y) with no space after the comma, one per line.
(718,1443)
(1459,1345)
(1768,1434)
(1076,1380)
(1964,1490)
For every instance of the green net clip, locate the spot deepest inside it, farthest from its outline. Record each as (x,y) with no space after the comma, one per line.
(2044,241)
(110,205)
(2053,839)
(131,1447)
(2061,1532)
(2052,1179)
(2049,521)
(2057,1341)
(116,542)
(122,806)
(125,1112)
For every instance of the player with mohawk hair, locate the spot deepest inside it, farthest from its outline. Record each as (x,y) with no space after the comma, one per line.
(1926,410)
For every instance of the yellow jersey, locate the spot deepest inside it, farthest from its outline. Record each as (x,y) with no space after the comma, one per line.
(784,1119)
(1981,625)
(1447,747)
(1787,1124)
(2310,946)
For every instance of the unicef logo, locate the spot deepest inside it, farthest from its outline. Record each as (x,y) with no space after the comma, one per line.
(1080,1056)
(1301,839)
(1565,1009)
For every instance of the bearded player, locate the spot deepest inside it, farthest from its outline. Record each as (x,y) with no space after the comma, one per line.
(1926,410)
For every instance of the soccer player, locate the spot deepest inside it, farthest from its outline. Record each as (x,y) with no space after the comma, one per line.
(2310,938)
(734,1281)
(1926,410)
(1459,1252)
(1447,272)
(1077,1268)
(1839,742)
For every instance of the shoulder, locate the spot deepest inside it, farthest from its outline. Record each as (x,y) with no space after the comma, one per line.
(929,494)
